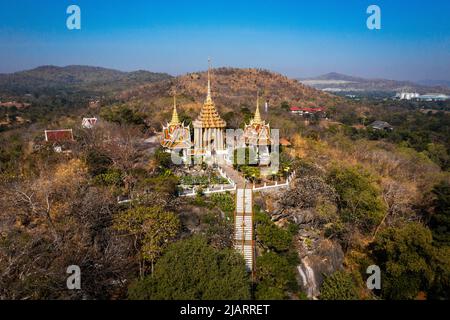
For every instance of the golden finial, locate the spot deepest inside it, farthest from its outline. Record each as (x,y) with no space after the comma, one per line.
(175,120)
(257,119)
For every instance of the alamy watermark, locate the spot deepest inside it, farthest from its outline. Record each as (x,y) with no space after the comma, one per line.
(374,20)
(74,280)
(73,21)
(374,280)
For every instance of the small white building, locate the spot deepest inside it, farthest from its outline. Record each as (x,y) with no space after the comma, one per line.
(433,97)
(407,95)
(89,123)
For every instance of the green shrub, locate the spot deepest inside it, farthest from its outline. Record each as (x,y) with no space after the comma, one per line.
(271,236)
(225,201)
(110,178)
(339,286)
(360,201)
(440,219)
(275,277)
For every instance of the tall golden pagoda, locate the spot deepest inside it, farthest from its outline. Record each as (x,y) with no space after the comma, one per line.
(257,132)
(175,134)
(257,136)
(209,126)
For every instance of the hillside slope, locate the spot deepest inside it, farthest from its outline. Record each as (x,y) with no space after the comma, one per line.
(233,88)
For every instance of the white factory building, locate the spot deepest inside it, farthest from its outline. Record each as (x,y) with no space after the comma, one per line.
(425,97)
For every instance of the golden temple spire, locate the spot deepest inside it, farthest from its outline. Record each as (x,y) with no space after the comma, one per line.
(209,117)
(257,119)
(175,120)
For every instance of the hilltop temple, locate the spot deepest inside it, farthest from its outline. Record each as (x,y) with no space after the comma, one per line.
(209,128)
(175,135)
(257,136)
(209,133)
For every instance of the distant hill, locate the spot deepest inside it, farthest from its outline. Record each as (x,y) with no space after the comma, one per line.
(336,82)
(52,79)
(233,87)
(339,77)
(435,83)
(234,92)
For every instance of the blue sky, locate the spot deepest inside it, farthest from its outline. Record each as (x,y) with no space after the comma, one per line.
(297,38)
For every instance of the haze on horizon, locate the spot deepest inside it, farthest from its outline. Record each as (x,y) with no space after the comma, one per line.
(296,38)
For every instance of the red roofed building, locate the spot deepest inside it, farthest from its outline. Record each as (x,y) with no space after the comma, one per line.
(62,135)
(303,111)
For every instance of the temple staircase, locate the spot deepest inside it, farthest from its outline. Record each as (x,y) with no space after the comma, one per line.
(243,226)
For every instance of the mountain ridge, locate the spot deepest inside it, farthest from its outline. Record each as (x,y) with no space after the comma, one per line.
(74,78)
(335,82)
(234,86)
(234,92)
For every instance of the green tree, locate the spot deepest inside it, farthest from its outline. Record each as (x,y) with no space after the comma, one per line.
(163,160)
(275,277)
(224,201)
(122,115)
(438,154)
(193,270)
(405,256)
(440,219)
(151,229)
(164,185)
(440,288)
(339,286)
(359,198)
(98,163)
(285,106)
(270,235)
(11,151)
(109,178)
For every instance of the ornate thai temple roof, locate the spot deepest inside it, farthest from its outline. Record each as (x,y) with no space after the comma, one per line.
(176,135)
(258,131)
(209,117)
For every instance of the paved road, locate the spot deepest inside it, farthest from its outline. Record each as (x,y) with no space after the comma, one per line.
(234,175)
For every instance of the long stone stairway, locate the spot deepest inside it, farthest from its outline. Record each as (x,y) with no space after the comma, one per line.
(243,226)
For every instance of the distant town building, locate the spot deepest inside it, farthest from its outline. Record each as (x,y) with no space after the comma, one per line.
(306,111)
(89,123)
(425,97)
(433,97)
(407,95)
(381,125)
